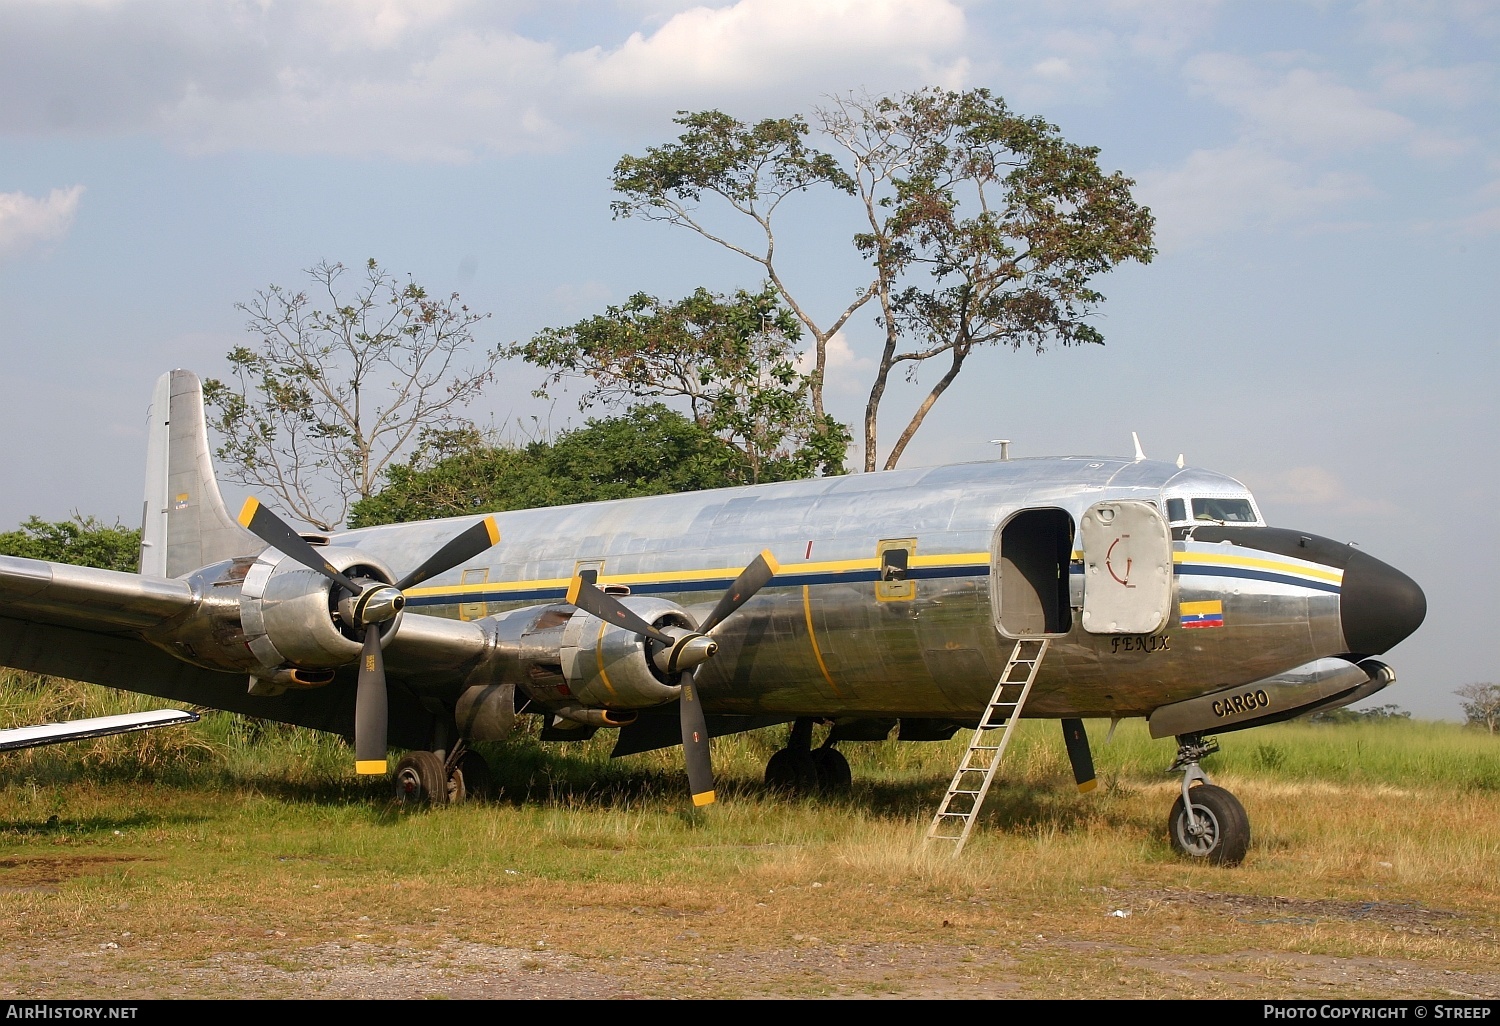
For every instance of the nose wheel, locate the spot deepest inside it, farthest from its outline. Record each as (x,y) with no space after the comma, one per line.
(1206,822)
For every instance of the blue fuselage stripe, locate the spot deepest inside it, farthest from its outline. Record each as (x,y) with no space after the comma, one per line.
(792,579)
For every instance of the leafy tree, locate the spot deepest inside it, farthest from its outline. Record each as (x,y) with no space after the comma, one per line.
(341,386)
(82,541)
(1481,702)
(732,360)
(650,450)
(1388,713)
(984,228)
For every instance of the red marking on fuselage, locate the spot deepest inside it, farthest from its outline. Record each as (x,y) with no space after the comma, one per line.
(1128,563)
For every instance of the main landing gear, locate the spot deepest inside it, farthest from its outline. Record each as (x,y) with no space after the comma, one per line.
(1207,822)
(801,769)
(442,778)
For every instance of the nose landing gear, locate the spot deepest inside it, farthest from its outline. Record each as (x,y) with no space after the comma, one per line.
(1206,822)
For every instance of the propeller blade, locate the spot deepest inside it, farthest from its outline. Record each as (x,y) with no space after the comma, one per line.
(751,579)
(370,712)
(610,609)
(278,534)
(695,750)
(469,543)
(1077,740)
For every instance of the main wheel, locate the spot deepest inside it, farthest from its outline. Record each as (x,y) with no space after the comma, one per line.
(1219,830)
(474,773)
(420,779)
(792,771)
(834,777)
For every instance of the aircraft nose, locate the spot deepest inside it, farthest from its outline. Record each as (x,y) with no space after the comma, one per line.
(1379,605)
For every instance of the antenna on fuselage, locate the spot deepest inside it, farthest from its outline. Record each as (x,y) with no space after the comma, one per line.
(1180,461)
(1004,444)
(1139,453)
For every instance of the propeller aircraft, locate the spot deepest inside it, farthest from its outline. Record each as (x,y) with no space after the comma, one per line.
(888,603)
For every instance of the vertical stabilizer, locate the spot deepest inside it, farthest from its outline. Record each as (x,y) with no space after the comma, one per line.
(184,524)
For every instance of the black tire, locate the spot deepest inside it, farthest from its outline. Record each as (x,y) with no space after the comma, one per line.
(834,776)
(792,772)
(1223,836)
(420,779)
(475,775)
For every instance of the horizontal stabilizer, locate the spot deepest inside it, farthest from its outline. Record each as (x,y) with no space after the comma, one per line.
(17,738)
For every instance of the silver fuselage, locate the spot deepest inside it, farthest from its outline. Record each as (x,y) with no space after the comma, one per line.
(819,640)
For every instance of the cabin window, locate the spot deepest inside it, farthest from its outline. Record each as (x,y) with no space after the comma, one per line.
(1176,511)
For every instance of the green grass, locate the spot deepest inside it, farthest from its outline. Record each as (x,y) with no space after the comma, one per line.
(224,747)
(239,839)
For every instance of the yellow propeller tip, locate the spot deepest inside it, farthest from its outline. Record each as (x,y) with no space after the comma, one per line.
(1087,786)
(493,529)
(573,587)
(247,511)
(370,767)
(706,798)
(771,561)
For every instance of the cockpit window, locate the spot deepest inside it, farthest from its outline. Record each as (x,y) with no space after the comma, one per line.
(1176,511)
(1223,511)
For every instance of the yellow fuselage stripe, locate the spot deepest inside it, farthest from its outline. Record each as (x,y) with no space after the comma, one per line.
(691,576)
(812,636)
(1250,562)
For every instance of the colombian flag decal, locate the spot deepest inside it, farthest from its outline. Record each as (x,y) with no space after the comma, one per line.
(1203,614)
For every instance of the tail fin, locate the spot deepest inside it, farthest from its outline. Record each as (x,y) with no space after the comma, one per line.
(184,524)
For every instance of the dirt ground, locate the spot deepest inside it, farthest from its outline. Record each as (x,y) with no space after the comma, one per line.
(417,960)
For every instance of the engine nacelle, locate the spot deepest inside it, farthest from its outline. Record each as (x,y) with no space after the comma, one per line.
(607,666)
(290,613)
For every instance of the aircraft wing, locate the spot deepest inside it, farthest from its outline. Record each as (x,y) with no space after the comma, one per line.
(17,738)
(87,624)
(87,597)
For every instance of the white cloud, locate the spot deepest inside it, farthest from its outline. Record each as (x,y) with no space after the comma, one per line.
(1457,85)
(1239,187)
(758,43)
(1317,487)
(26,221)
(1298,107)
(444,80)
(843,369)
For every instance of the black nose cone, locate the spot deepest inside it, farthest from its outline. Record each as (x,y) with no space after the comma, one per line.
(1379,606)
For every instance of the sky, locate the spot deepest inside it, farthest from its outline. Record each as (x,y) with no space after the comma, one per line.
(1320,321)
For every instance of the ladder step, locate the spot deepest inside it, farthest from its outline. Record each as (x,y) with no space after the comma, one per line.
(954,819)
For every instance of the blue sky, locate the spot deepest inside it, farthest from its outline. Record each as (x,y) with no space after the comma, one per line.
(1320,322)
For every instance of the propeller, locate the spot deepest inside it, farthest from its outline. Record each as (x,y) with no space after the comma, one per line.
(1077,741)
(368,606)
(681,654)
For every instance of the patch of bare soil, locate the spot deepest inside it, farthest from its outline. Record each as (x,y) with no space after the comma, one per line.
(1259,910)
(44,873)
(809,968)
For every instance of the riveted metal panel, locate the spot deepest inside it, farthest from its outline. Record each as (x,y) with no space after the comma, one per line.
(1127,553)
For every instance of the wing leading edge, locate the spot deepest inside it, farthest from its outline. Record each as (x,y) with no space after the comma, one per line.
(17,738)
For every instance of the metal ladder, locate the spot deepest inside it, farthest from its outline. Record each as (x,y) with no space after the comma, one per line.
(955,817)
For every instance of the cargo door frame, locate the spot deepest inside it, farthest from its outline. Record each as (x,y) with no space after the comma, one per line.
(1030,557)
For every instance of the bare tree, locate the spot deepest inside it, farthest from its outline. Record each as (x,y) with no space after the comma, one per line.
(984,227)
(330,396)
(1481,702)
